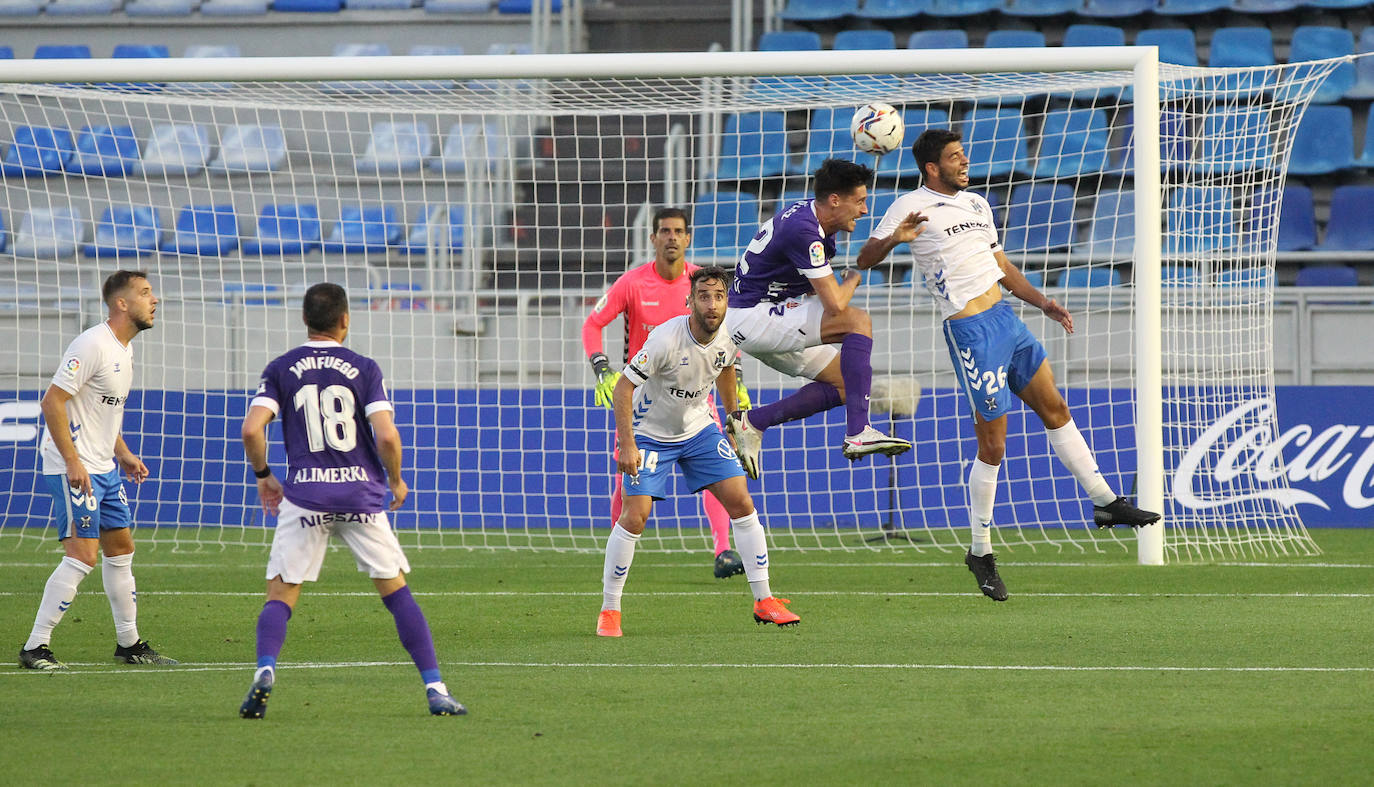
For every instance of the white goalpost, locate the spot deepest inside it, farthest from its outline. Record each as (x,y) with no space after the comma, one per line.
(476,207)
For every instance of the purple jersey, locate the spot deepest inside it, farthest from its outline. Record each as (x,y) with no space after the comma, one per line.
(323,392)
(786,253)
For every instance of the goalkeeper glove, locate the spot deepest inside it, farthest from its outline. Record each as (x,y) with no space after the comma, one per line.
(606,379)
(741,391)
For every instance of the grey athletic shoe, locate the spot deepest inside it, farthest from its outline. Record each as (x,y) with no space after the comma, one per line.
(871,441)
(142,653)
(40,657)
(748,442)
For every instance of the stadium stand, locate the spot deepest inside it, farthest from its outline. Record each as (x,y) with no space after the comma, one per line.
(140,50)
(892,9)
(80,7)
(723,223)
(864,39)
(212,50)
(1366,158)
(139,8)
(995,142)
(176,149)
(1349,228)
(19,8)
(1094,35)
(1190,7)
(125,231)
(307,6)
(60,51)
(1039,8)
(1244,278)
(1237,142)
(437,225)
(395,148)
(1073,142)
(818,10)
(250,148)
(1324,142)
(1297,220)
(1096,276)
(1364,69)
(37,151)
(1264,6)
(524,6)
(103,150)
(961,9)
(937,39)
(1176,45)
(1013,39)
(1116,9)
(204,230)
(50,233)
(233,7)
(1111,229)
(754,146)
(1200,220)
(1314,42)
(1327,276)
(285,229)
(1040,218)
(365,229)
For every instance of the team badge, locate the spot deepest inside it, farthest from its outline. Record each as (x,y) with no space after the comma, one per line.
(817,252)
(990,402)
(72,366)
(719,362)
(977,207)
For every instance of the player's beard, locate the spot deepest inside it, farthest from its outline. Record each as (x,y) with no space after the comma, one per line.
(142,323)
(705,323)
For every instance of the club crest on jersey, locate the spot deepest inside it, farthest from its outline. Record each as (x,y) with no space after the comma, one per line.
(719,362)
(817,252)
(977,207)
(990,402)
(72,366)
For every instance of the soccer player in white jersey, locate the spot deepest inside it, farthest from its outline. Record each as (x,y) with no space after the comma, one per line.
(787,310)
(662,420)
(83,411)
(343,455)
(955,246)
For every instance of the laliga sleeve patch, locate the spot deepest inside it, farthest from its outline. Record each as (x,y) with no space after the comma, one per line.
(71,366)
(817,254)
(600,303)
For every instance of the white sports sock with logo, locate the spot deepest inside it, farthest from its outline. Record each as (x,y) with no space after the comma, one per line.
(982,491)
(1074,452)
(620,553)
(118,575)
(752,544)
(57,596)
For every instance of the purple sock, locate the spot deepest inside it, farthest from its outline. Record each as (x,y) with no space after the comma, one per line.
(272,632)
(856,368)
(809,399)
(414,631)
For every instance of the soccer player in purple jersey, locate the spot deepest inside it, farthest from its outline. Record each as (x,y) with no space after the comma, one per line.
(787,310)
(343,454)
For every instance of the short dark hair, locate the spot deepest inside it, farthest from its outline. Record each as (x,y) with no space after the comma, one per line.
(672,213)
(708,273)
(928,147)
(325,304)
(837,176)
(116,283)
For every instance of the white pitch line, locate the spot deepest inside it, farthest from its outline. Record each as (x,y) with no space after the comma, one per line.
(696,567)
(704,593)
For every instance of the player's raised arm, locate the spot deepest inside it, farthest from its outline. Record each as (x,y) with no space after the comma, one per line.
(877,247)
(254,435)
(1018,285)
(623,400)
(390,449)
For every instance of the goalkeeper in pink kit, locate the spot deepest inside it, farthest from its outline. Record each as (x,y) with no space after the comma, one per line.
(649,295)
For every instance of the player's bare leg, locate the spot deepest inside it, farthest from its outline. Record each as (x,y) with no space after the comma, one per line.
(733,494)
(620,553)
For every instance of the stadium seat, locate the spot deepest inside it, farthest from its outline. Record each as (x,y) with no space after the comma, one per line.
(1324,142)
(864,39)
(371,229)
(80,7)
(892,9)
(284,229)
(995,142)
(1297,220)
(524,6)
(204,230)
(1040,217)
(1094,35)
(377,5)
(1093,276)
(829,137)
(176,149)
(754,145)
(1264,6)
(1039,8)
(1349,228)
(1175,142)
(343,49)
(1364,67)
(1198,219)
(250,148)
(1036,278)
(1366,158)
(1072,142)
(251,293)
(818,10)
(140,50)
(1176,45)
(1116,9)
(396,147)
(125,231)
(960,9)
(901,162)
(212,50)
(233,7)
(61,51)
(20,7)
(6,53)
(1237,142)
(472,144)
(434,50)
(1111,230)
(50,233)
(307,6)
(457,6)
(160,7)
(1327,276)
(37,151)
(1190,7)
(1013,39)
(723,224)
(441,225)
(783,87)
(937,39)
(1244,277)
(103,150)
(1311,42)
(1335,4)
(1171,275)
(1242,47)
(848,246)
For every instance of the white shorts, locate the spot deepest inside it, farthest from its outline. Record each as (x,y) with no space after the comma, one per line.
(785,336)
(302,537)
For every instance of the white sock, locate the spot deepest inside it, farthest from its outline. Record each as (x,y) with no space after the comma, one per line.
(438,686)
(620,553)
(261,670)
(752,544)
(118,574)
(982,491)
(1074,452)
(57,596)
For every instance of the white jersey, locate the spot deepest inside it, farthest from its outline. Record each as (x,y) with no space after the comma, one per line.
(955,252)
(97,370)
(674,375)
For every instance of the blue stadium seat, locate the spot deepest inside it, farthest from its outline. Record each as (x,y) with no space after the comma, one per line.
(307,6)
(1040,218)
(1095,276)
(1335,4)
(1013,39)
(1190,7)
(20,7)
(873,277)
(160,7)
(1237,142)
(829,137)
(212,50)
(1244,277)
(1111,231)
(901,162)
(1264,6)
(377,5)
(251,293)
(864,39)
(204,230)
(1036,278)
(125,231)
(1039,8)
(439,225)
(105,150)
(140,50)
(1094,35)
(80,7)
(1324,142)
(1349,228)
(783,87)
(176,149)
(471,143)
(524,6)
(1327,276)
(723,224)
(1172,275)
(892,9)
(994,200)
(1073,142)
(61,51)
(1176,45)
(1297,220)
(863,228)
(457,6)
(1116,9)
(1366,158)
(961,8)
(1364,67)
(434,50)
(50,233)
(1198,219)
(37,151)
(378,49)
(284,229)
(818,10)
(233,7)
(396,147)
(1312,42)
(789,41)
(370,229)
(1241,47)
(937,39)
(6,53)
(995,142)
(1175,142)
(250,148)
(754,145)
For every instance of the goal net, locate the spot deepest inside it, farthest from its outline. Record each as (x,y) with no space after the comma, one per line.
(476,208)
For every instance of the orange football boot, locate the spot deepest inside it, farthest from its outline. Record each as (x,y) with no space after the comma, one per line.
(771,610)
(608,623)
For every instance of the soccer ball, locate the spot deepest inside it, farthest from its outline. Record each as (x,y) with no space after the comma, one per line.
(877,128)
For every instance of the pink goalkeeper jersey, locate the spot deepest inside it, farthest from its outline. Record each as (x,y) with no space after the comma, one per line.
(646,300)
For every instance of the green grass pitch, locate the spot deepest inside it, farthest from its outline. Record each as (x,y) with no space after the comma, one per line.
(1095,671)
